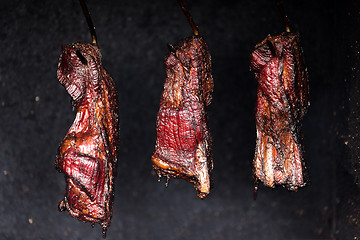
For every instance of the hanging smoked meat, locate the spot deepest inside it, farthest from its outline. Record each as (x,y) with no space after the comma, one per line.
(88,154)
(183,144)
(282,101)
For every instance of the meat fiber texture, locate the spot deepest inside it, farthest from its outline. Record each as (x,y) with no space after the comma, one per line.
(88,154)
(282,101)
(183,144)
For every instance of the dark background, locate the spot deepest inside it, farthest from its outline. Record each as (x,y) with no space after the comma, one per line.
(35,114)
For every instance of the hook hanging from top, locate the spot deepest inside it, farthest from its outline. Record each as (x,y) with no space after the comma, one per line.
(189,18)
(89,21)
(284,16)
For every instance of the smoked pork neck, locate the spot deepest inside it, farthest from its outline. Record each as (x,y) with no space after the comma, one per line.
(282,101)
(183,144)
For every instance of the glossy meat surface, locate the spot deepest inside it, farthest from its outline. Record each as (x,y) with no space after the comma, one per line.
(183,144)
(282,101)
(88,154)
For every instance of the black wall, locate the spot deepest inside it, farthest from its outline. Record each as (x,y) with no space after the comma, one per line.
(35,114)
